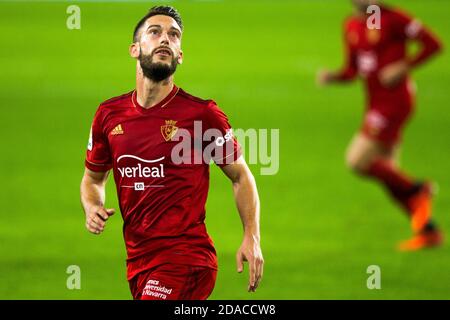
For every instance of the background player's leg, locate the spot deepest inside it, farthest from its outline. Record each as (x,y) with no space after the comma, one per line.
(373,159)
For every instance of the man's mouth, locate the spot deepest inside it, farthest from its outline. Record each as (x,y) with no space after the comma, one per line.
(163,52)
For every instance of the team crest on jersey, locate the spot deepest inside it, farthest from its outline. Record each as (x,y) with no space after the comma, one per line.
(169,129)
(373,36)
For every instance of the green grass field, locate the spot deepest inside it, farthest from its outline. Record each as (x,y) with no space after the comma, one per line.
(321,226)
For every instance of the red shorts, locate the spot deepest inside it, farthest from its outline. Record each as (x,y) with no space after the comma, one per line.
(173,282)
(385,126)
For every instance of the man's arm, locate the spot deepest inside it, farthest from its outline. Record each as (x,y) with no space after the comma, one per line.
(247,201)
(429,45)
(92,192)
(346,74)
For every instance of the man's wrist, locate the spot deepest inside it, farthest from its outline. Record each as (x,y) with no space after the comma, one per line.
(92,206)
(333,76)
(252,235)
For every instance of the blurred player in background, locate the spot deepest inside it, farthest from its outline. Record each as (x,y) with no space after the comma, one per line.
(379,56)
(162,201)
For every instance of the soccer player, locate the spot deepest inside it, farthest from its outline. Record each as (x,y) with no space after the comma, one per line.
(162,199)
(380,58)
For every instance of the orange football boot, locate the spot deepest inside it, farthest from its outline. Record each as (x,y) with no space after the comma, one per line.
(420,205)
(422,240)
(426,235)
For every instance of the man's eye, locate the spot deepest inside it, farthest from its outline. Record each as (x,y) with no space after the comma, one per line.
(154,31)
(174,34)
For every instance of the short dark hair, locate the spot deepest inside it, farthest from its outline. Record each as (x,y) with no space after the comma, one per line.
(158,10)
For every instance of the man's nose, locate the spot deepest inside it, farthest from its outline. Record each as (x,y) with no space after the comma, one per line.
(164,38)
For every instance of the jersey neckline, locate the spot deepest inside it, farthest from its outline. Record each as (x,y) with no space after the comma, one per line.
(163,103)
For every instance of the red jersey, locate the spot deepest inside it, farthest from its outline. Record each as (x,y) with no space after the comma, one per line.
(162,201)
(370,50)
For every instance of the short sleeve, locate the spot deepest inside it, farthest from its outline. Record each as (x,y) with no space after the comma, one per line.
(406,27)
(220,143)
(98,156)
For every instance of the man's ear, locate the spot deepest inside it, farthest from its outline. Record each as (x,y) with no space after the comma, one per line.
(135,50)
(180,57)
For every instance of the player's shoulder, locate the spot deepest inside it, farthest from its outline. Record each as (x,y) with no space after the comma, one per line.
(117,101)
(395,13)
(194,99)
(207,107)
(113,104)
(351,22)
(203,105)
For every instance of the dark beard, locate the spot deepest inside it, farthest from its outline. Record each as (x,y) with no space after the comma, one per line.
(157,71)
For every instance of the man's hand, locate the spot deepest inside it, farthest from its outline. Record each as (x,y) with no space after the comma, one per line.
(96,218)
(393,73)
(324,77)
(250,251)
